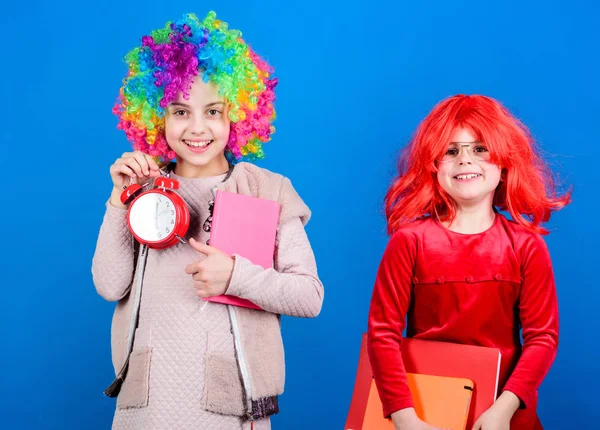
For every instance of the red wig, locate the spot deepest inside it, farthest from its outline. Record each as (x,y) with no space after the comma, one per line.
(527,190)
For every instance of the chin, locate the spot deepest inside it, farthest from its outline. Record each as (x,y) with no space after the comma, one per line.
(195,159)
(470,199)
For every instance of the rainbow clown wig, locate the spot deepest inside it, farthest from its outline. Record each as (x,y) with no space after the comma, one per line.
(167,62)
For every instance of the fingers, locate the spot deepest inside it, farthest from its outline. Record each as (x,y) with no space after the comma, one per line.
(138,165)
(147,163)
(137,162)
(152,165)
(203,293)
(203,248)
(135,166)
(200,277)
(201,283)
(190,269)
(121,169)
(198,272)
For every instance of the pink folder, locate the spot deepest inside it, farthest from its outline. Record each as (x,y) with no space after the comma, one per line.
(245,226)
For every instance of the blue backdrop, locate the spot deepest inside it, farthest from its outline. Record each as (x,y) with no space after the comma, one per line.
(355,79)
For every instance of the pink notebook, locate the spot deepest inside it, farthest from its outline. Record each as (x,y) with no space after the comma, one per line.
(246,226)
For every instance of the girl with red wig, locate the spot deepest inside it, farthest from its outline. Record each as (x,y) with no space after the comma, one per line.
(456,269)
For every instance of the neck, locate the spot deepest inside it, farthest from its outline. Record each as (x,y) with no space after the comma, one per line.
(214,167)
(472,219)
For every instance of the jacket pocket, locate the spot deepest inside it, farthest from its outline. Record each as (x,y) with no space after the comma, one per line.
(223,392)
(135,390)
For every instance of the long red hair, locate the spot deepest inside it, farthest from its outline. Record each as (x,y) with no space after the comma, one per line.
(527,190)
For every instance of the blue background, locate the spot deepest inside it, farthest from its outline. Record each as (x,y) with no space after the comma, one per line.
(355,80)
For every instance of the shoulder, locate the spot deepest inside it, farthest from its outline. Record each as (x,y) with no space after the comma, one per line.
(519,233)
(409,235)
(524,242)
(273,186)
(415,229)
(259,173)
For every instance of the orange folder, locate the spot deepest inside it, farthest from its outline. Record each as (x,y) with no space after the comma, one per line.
(439,400)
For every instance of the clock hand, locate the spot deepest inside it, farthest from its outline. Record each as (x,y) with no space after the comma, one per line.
(156,218)
(166,210)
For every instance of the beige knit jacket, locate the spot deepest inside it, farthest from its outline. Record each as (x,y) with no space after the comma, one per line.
(292,287)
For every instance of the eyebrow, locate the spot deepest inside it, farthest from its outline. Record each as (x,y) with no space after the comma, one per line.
(188,106)
(214,104)
(475,141)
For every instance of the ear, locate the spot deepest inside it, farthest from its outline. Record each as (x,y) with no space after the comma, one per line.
(503,174)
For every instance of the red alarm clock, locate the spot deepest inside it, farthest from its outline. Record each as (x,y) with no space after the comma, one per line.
(159,217)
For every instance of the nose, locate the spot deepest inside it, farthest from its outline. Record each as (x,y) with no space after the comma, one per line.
(464,157)
(198,125)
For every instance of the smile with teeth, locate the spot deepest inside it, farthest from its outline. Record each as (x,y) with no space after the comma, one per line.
(197,143)
(468,176)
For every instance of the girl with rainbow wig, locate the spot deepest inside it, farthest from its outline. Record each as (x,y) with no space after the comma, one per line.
(197,104)
(165,65)
(457,270)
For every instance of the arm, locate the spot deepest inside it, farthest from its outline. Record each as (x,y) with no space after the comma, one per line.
(538,312)
(113,261)
(292,287)
(387,319)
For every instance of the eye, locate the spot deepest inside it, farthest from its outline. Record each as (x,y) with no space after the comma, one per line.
(452,151)
(214,112)
(480,149)
(180,112)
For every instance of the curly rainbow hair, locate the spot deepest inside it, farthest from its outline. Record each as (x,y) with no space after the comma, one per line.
(167,62)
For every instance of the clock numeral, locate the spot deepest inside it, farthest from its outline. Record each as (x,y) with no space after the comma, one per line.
(159,235)
(172,221)
(167,229)
(172,212)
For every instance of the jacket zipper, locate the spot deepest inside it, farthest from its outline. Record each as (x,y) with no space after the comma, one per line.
(241,361)
(238,345)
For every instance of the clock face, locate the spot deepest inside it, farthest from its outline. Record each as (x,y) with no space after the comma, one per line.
(152,217)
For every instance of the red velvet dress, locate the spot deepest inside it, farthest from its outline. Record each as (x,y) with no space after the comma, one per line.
(478,289)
